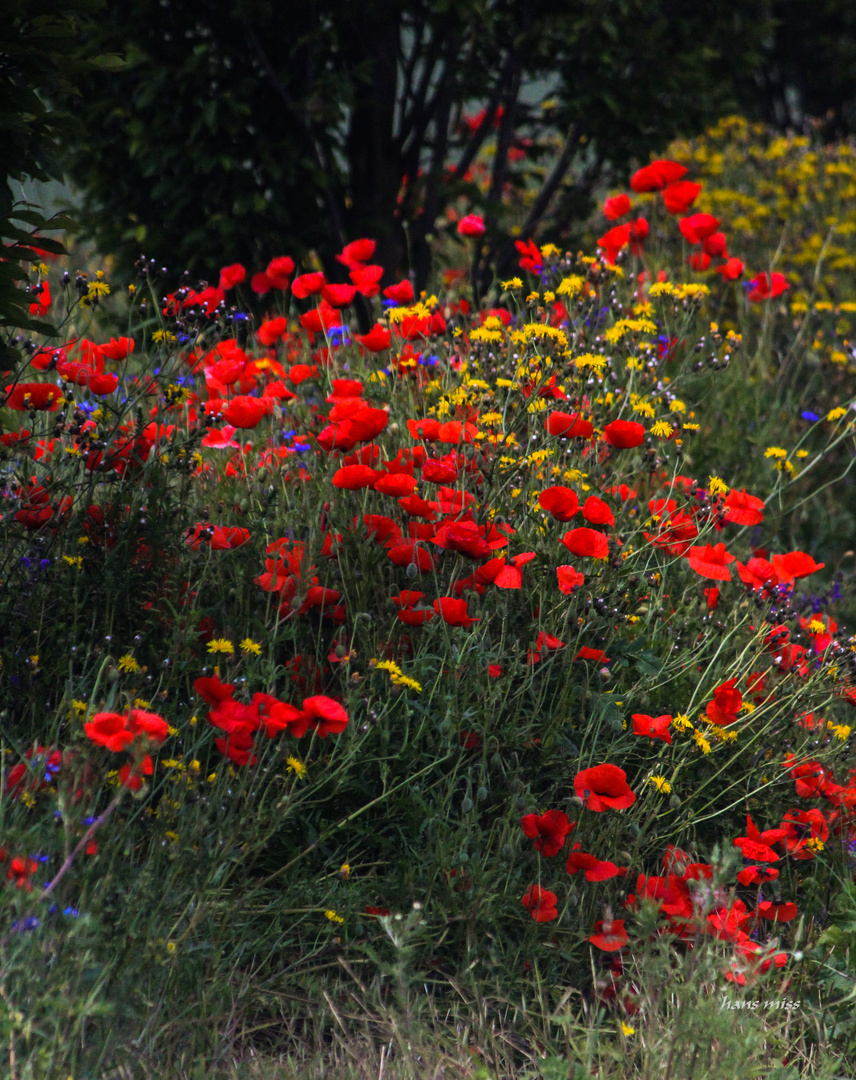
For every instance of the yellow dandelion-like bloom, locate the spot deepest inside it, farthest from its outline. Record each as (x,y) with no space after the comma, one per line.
(701,742)
(345,871)
(682,722)
(662,429)
(221,645)
(836,414)
(128,664)
(163,335)
(512,283)
(97,288)
(661,784)
(296,766)
(332,916)
(716,486)
(250,646)
(627,1029)
(775,452)
(405,680)
(386,665)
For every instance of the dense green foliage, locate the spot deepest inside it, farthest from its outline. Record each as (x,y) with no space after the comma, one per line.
(249,127)
(41,56)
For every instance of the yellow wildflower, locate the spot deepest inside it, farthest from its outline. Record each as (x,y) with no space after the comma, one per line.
(296,766)
(221,645)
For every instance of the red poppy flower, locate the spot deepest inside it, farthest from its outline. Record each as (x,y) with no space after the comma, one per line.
(246,412)
(471,225)
(353,477)
(399,485)
(238,747)
(726,704)
(604,786)
(326,715)
(212,691)
(531,258)
(698,227)
(743,509)
(757,875)
(109,730)
(586,543)
(456,431)
(117,348)
(755,845)
(766,286)
(595,869)
(613,241)
(271,331)
(806,832)
(308,285)
(711,562)
(609,936)
(356,253)
(785,912)
(699,262)
(541,903)
(43,300)
(656,176)
(569,579)
(411,553)
(793,565)
(624,434)
(560,502)
(463,536)
(401,293)
(376,340)
(547,830)
(339,295)
(616,206)
(726,923)
(655,727)
(680,196)
(367,279)
(453,612)
(147,724)
(20,869)
(25,397)
(279,270)
(510,575)
(715,246)
(730,270)
(232,275)
(569,426)
(587,653)
(596,512)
